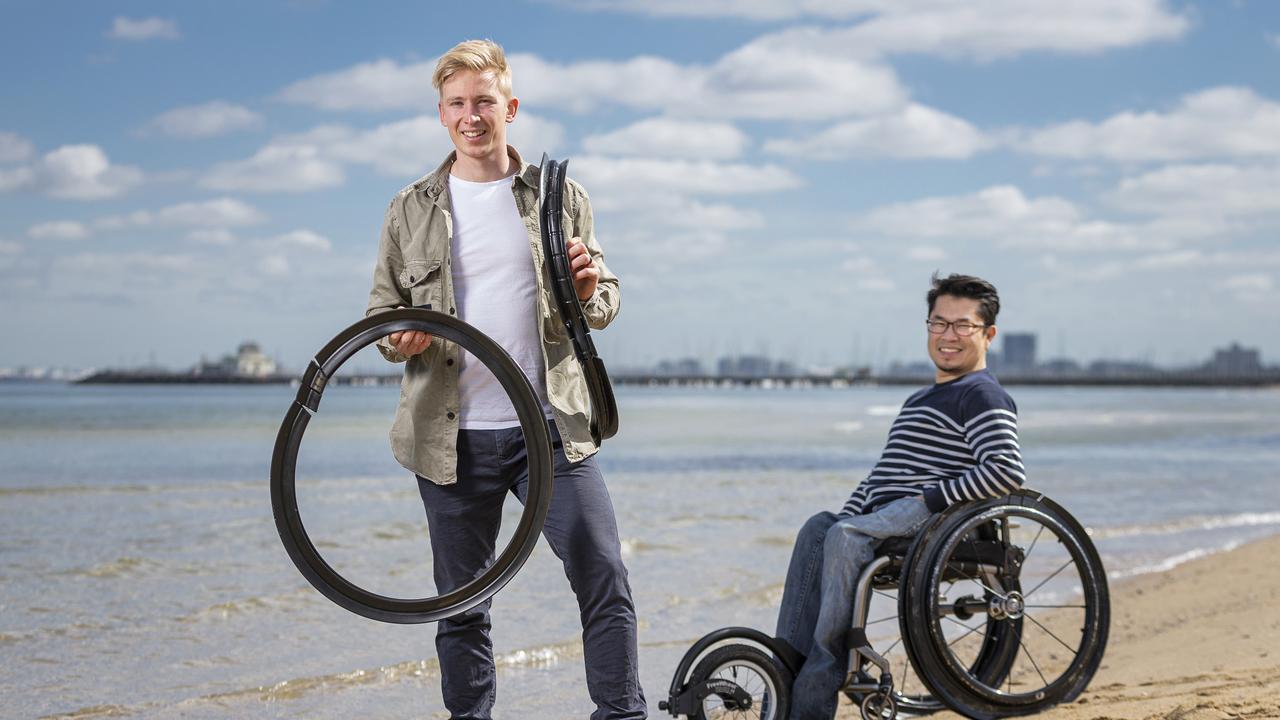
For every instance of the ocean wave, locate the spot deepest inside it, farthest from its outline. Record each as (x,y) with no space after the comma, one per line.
(1174,561)
(1188,524)
(243,606)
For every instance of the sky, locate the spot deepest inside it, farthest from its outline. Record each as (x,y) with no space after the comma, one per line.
(767,177)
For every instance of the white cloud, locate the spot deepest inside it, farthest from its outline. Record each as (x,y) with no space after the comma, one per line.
(926,253)
(649,196)
(10,248)
(1201,190)
(120,277)
(758,80)
(1250,287)
(405,148)
(1219,122)
(16,178)
(14,148)
(914,132)
(669,137)
(277,168)
(1004,215)
(608,175)
(1255,282)
(304,239)
(78,172)
(124,28)
(207,120)
(414,146)
(276,265)
(978,28)
(59,230)
(212,236)
(379,85)
(220,212)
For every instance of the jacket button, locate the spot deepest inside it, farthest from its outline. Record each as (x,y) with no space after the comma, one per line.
(449,361)
(450,311)
(410,278)
(449,415)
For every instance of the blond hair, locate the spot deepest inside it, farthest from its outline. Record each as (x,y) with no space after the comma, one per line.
(479,55)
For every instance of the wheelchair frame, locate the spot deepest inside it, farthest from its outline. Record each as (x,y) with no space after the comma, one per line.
(972,542)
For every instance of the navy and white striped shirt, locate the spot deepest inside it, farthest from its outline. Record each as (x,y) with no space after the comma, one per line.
(951,442)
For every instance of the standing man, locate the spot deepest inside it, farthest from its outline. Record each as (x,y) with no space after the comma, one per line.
(952,442)
(465,240)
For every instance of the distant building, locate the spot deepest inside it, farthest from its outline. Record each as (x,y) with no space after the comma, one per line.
(1060,367)
(247,362)
(684,367)
(1121,368)
(1019,352)
(751,366)
(1235,360)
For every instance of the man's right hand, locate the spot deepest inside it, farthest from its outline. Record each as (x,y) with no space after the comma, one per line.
(409,342)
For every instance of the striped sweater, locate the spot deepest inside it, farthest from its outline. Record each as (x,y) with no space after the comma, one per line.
(951,442)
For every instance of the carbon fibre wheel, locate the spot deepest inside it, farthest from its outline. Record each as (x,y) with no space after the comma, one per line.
(284,500)
(1006,610)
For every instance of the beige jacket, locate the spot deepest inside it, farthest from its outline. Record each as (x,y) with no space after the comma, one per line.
(413,270)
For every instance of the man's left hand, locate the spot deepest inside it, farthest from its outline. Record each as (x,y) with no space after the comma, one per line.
(585,274)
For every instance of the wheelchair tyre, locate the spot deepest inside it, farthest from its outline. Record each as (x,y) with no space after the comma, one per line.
(1040,604)
(284,498)
(751,669)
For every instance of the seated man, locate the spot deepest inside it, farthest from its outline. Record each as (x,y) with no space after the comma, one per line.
(951,442)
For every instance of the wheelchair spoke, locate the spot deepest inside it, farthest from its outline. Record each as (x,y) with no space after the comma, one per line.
(1052,576)
(1034,664)
(1050,633)
(1035,540)
(869,623)
(895,644)
(969,630)
(1056,607)
(984,586)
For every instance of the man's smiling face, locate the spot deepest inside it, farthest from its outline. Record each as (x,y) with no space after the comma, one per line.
(476,112)
(952,353)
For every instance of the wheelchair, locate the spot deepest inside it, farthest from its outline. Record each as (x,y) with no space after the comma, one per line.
(1001,609)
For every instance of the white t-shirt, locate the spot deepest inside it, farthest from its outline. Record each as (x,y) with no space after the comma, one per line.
(495,291)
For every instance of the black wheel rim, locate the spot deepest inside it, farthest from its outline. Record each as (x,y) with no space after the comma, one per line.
(1038,661)
(284,500)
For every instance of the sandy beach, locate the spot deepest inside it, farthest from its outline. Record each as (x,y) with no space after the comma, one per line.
(1199,642)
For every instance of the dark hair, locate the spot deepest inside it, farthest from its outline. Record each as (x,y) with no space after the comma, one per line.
(968,286)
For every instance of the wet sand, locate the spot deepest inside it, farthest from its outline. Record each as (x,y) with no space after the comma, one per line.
(1199,642)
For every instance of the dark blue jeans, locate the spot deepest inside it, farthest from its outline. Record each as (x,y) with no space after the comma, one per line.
(580,527)
(817,600)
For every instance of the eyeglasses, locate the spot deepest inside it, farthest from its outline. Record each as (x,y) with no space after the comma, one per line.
(963,328)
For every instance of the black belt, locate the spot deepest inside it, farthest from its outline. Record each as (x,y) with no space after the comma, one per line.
(604,409)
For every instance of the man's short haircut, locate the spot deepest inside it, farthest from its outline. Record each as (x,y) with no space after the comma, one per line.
(968,286)
(479,55)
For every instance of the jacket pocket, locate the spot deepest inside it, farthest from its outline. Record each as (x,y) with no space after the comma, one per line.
(422,279)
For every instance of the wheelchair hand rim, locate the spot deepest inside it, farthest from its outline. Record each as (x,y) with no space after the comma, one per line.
(1080,555)
(302,551)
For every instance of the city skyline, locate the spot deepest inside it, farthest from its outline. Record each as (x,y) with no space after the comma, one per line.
(1232,359)
(176,179)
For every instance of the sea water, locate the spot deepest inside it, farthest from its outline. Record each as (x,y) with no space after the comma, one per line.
(141,574)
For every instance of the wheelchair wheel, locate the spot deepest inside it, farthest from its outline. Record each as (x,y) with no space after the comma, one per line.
(744,682)
(284,498)
(1006,610)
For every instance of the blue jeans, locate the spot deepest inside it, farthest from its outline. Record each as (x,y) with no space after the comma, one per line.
(580,527)
(817,601)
